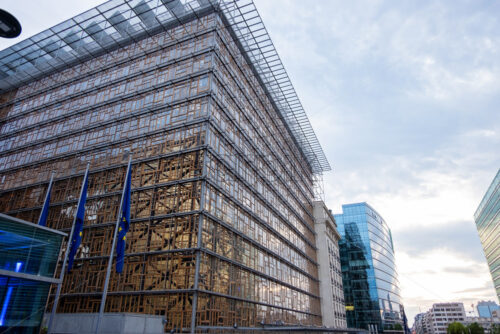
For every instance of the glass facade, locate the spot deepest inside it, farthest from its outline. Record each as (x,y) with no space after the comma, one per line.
(487,218)
(28,258)
(371,286)
(222,229)
(485,308)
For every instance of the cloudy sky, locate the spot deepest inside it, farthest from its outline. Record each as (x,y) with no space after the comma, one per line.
(404,97)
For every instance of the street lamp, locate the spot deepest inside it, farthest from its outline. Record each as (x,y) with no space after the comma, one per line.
(9,25)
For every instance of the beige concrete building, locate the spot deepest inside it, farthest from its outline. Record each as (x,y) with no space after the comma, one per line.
(330,275)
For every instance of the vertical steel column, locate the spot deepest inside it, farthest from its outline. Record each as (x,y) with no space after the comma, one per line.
(202,201)
(199,243)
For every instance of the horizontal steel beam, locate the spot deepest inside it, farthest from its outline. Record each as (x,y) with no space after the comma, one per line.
(30,277)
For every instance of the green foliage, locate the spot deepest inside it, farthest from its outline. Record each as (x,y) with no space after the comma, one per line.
(475,328)
(495,329)
(398,327)
(456,328)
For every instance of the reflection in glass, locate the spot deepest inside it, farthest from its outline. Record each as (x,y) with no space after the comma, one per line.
(371,286)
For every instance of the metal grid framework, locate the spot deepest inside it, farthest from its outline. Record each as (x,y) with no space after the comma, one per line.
(222,228)
(117,23)
(247,24)
(106,27)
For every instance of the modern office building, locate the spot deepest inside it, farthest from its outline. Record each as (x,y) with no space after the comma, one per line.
(487,218)
(28,258)
(371,287)
(224,160)
(485,309)
(330,274)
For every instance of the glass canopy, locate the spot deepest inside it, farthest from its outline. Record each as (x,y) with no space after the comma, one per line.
(116,23)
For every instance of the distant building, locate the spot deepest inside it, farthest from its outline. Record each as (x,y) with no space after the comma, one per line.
(487,219)
(418,325)
(371,286)
(442,314)
(486,323)
(426,323)
(330,275)
(28,258)
(486,308)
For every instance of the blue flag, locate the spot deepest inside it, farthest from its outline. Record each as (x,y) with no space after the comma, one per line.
(80,215)
(124,223)
(45,209)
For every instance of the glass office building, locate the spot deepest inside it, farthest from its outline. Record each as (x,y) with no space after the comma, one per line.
(371,287)
(487,218)
(224,160)
(28,258)
(486,308)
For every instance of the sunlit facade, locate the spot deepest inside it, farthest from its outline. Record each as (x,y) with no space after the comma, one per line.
(371,287)
(222,230)
(487,218)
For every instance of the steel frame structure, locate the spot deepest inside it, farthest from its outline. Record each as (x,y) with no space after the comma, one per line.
(224,161)
(117,23)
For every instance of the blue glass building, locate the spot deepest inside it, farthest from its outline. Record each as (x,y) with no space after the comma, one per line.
(485,308)
(371,286)
(487,219)
(28,258)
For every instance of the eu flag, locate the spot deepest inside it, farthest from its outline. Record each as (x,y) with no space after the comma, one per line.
(45,210)
(124,223)
(80,215)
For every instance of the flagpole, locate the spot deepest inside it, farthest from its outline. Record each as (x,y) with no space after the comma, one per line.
(68,246)
(110,261)
(47,195)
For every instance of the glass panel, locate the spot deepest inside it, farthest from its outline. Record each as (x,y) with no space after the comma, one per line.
(28,249)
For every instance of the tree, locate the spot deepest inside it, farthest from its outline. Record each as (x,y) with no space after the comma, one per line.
(495,329)
(456,328)
(475,328)
(398,327)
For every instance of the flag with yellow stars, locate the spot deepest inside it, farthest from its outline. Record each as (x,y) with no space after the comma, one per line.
(124,223)
(78,231)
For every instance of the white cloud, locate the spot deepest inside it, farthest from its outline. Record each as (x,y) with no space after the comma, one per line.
(440,276)
(404,99)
